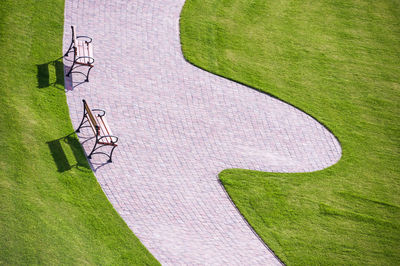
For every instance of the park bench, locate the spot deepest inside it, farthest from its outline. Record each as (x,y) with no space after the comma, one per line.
(83,53)
(97,122)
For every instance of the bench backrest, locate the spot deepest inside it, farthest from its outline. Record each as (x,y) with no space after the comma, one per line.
(73,35)
(92,120)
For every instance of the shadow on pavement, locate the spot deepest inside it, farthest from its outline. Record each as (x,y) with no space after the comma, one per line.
(53,73)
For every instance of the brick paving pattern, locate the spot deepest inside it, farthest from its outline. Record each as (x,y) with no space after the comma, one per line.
(179,126)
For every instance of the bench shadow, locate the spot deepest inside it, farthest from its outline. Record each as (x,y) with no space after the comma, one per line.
(70,83)
(50,74)
(53,74)
(68,144)
(95,164)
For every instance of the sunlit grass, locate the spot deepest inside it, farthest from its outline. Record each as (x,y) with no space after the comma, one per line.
(339,62)
(52,211)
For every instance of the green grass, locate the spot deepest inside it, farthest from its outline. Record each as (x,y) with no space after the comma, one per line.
(52,211)
(338,61)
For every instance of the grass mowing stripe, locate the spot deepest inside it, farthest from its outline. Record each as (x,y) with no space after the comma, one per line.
(53,210)
(338,61)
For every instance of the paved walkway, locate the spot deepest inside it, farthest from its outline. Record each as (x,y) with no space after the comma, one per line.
(179,127)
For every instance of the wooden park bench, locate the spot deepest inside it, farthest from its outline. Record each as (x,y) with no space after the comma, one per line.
(83,53)
(100,128)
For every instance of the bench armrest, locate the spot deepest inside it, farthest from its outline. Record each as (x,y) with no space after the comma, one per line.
(89,40)
(114,139)
(100,110)
(90,61)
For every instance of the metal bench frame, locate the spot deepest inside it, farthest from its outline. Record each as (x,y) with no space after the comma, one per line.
(79,59)
(100,129)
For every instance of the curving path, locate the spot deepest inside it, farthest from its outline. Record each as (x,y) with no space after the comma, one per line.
(179,126)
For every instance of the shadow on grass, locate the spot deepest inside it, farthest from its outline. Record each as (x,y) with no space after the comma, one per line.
(53,73)
(60,147)
(50,71)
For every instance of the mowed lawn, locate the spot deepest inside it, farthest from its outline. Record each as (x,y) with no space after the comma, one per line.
(338,61)
(52,211)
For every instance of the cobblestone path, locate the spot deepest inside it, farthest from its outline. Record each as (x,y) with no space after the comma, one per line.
(179,126)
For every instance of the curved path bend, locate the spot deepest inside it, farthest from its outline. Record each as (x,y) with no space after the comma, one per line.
(179,126)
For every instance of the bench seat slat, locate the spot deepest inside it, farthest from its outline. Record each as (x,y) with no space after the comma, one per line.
(79,52)
(90,49)
(104,129)
(84,49)
(83,60)
(85,52)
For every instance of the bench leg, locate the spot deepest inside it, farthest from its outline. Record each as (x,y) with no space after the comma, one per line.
(87,76)
(82,122)
(94,148)
(69,49)
(72,42)
(72,67)
(111,153)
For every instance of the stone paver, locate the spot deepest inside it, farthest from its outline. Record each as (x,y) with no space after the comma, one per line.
(179,127)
